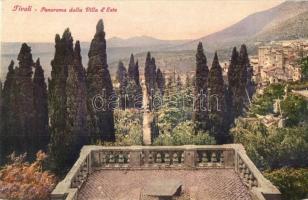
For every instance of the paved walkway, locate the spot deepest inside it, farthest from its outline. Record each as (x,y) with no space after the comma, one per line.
(207,184)
(147,118)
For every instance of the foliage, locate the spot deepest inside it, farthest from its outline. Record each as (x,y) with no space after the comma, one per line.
(21,180)
(304,68)
(292,183)
(263,104)
(274,147)
(295,109)
(183,134)
(128,124)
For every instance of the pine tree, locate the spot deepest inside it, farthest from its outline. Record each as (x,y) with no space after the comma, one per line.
(200,115)
(77,103)
(217,102)
(99,83)
(41,137)
(60,150)
(121,77)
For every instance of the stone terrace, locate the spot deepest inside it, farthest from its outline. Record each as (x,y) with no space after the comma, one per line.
(208,184)
(201,172)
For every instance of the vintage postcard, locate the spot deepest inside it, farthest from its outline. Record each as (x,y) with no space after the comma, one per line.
(154,100)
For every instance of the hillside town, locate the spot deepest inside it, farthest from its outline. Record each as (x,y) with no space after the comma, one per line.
(279,61)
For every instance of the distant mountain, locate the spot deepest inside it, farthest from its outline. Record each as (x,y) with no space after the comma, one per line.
(293,28)
(142,41)
(117,49)
(249,27)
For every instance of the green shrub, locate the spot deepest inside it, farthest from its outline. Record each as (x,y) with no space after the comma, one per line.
(292,183)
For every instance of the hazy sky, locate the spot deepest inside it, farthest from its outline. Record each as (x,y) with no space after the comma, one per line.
(160,19)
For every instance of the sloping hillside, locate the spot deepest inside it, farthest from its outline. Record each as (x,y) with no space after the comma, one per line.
(293,28)
(249,27)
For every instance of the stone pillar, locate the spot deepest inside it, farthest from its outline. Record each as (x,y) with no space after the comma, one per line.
(190,157)
(135,157)
(229,158)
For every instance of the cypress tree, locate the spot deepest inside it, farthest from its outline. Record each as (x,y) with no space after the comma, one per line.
(40,107)
(138,94)
(238,79)
(61,140)
(25,110)
(121,77)
(77,103)
(10,124)
(136,74)
(150,77)
(200,115)
(131,68)
(134,90)
(217,102)
(98,82)
(160,80)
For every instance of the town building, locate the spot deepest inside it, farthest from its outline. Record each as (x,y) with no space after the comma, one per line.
(279,61)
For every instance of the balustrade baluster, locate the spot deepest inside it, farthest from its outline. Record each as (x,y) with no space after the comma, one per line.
(175,159)
(167,159)
(150,158)
(121,159)
(111,159)
(158,158)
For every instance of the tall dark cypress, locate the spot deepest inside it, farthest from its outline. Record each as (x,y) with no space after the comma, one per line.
(248,71)
(136,74)
(150,77)
(77,102)
(10,124)
(217,102)
(160,79)
(131,67)
(232,85)
(25,113)
(99,83)
(40,107)
(147,71)
(200,114)
(121,77)
(238,79)
(60,143)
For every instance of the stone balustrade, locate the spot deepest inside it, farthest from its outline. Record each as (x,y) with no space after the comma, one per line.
(165,157)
